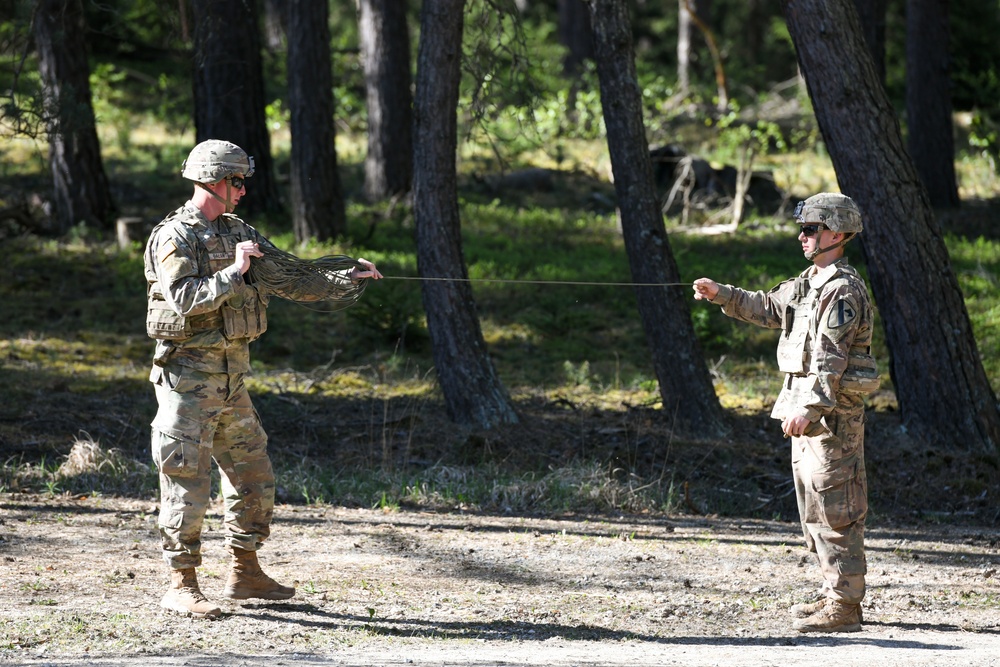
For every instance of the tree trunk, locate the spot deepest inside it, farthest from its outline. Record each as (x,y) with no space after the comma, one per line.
(229,90)
(81,187)
(689,400)
(472,391)
(940,383)
(317,196)
(274,25)
(685,36)
(931,139)
(385,47)
(754,31)
(698,14)
(575,34)
(872,14)
(683,47)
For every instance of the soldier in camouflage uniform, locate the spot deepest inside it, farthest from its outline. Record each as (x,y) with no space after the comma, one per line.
(825,317)
(203,314)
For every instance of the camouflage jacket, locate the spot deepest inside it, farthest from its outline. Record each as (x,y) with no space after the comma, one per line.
(189,270)
(826,318)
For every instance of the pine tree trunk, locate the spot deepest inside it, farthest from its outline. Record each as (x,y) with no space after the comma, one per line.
(575,34)
(317,196)
(472,391)
(385,47)
(229,91)
(275,20)
(683,47)
(930,140)
(872,15)
(943,391)
(82,194)
(689,400)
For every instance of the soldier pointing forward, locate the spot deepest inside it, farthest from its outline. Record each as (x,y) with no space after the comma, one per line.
(825,317)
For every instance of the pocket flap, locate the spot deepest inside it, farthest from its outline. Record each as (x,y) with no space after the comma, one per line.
(836,473)
(180,427)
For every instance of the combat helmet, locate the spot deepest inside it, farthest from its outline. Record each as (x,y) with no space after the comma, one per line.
(834,211)
(213,160)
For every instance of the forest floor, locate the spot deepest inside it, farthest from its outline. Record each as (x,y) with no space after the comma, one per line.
(81,579)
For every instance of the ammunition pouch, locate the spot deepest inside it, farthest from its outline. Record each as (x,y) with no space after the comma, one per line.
(245,315)
(165,323)
(861,376)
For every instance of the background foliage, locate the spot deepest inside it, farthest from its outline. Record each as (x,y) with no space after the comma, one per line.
(349,399)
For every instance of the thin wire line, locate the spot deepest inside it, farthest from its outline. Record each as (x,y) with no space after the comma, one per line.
(536,282)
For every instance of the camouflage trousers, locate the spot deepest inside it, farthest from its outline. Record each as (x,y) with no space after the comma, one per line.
(204,417)
(828,465)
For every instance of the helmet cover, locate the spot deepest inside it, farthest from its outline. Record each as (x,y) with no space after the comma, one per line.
(213,160)
(835,211)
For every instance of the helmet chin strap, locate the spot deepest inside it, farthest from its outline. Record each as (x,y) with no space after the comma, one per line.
(819,251)
(230,206)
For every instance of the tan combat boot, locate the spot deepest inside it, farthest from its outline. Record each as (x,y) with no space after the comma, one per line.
(247,580)
(835,616)
(185,597)
(807,609)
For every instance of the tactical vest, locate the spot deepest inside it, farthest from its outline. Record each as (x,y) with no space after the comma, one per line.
(800,329)
(243,315)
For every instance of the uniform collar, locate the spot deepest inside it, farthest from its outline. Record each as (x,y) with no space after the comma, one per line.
(824,275)
(198,220)
(195,217)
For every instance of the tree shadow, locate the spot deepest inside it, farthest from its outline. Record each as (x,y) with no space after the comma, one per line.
(523,631)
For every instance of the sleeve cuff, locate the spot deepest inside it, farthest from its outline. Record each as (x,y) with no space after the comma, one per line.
(232,275)
(811,414)
(724,295)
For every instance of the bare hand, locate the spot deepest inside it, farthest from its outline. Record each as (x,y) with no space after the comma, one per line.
(794,427)
(358,274)
(705,288)
(244,251)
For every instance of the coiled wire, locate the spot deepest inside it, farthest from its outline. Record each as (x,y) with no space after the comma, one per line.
(322,284)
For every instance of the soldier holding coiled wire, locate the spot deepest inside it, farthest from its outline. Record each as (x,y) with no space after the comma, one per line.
(209,278)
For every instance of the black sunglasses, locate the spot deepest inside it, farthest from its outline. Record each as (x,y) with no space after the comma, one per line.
(236,181)
(810,230)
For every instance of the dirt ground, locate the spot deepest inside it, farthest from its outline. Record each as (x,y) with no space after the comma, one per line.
(80,582)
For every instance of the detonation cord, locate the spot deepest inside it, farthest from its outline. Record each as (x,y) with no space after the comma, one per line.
(324,283)
(537,282)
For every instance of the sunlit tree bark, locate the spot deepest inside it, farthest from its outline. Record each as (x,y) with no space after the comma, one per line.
(472,390)
(82,194)
(317,196)
(385,48)
(689,399)
(229,90)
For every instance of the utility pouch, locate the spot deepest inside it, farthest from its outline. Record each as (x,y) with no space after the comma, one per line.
(245,315)
(163,322)
(861,375)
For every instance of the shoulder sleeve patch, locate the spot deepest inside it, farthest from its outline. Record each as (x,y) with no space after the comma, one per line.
(842,313)
(166,249)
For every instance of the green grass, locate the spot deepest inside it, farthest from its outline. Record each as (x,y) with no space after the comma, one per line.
(581,487)
(72,335)
(977,264)
(354,392)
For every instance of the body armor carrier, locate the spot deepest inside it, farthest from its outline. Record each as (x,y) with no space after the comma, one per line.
(800,329)
(243,315)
